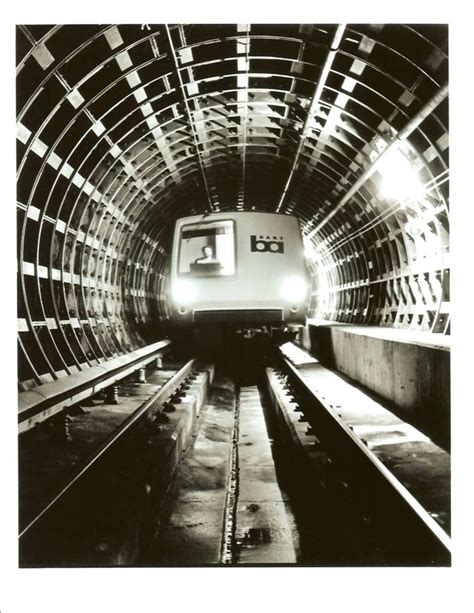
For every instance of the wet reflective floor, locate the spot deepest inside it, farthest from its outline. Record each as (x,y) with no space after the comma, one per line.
(225,505)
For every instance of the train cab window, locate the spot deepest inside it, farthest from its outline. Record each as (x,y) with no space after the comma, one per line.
(207,249)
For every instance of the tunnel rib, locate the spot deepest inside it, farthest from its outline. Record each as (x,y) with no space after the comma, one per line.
(211,205)
(315,100)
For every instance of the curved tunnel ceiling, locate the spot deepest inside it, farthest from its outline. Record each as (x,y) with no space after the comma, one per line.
(123,128)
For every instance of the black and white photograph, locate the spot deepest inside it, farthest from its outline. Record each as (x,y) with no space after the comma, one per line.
(233,301)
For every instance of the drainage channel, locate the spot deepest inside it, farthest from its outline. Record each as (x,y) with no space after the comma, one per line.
(225,506)
(264,531)
(228,532)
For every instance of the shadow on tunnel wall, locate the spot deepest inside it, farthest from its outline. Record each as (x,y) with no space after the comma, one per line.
(153,330)
(321,345)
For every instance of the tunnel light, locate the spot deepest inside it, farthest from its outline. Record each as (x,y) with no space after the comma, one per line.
(310,250)
(400,180)
(294,288)
(183,292)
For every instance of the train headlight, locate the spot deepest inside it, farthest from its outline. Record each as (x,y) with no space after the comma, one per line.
(294,289)
(183,292)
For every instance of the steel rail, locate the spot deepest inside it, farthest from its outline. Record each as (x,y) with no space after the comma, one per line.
(380,472)
(161,396)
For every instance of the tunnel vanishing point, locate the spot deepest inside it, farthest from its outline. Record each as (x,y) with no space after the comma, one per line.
(122,129)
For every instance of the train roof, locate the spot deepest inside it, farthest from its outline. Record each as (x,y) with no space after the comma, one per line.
(232,214)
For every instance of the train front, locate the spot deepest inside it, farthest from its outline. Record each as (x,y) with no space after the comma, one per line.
(238,270)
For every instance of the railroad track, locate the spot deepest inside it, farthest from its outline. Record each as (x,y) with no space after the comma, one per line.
(391,525)
(102,511)
(271,468)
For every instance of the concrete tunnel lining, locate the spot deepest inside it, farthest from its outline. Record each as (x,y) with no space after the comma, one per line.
(122,129)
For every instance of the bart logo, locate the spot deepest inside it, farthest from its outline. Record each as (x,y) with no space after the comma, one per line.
(264,244)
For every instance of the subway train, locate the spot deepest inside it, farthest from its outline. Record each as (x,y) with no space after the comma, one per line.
(239,271)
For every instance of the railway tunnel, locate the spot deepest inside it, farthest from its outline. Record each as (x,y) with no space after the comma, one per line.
(122,129)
